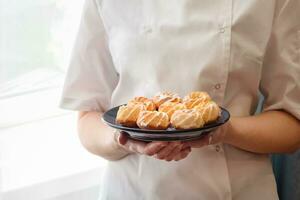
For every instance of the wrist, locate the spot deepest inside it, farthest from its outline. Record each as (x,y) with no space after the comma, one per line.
(230,131)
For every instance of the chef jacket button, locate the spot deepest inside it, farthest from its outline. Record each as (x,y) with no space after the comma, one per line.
(218,148)
(217,86)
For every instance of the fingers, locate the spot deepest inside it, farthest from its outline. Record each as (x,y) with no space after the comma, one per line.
(198,143)
(162,154)
(123,137)
(154,147)
(161,150)
(135,146)
(174,153)
(183,154)
(131,145)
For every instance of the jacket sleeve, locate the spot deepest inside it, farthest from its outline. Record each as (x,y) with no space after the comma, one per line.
(91,77)
(280,79)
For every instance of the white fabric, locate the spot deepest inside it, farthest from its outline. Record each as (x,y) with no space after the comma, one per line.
(229,48)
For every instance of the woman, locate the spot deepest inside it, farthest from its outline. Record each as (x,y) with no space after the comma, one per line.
(231,49)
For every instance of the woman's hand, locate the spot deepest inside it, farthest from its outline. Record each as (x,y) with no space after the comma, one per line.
(171,151)
(216,136)
(167,151)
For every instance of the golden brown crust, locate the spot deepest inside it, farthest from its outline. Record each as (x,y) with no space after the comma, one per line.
(165,108)
(170,107)
(209,111)
(197,95)
(163,97)
(187,119)
(148,103)
(153,120)
(195,99)
(191,103)
(127,115)
(128,123)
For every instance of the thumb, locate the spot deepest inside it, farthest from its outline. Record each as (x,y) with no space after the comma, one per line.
(123,138)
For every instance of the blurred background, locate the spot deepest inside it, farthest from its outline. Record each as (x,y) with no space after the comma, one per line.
(40,154)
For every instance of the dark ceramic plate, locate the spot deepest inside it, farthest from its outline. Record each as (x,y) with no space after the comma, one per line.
(170,134)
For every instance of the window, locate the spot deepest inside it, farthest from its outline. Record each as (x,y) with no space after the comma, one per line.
(36,39)
(40,153)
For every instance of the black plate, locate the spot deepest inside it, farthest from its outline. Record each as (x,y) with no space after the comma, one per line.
(170,134)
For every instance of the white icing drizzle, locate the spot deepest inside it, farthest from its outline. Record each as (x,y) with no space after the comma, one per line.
(157,118)
(186,119)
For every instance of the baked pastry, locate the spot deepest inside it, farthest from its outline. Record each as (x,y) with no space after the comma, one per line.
(191,103)
(210,111)
(148,103)
(163,97)
(128,114)
(153,120)
(187,119)
(170,107)
(197,95)
(196,99)
(167,108)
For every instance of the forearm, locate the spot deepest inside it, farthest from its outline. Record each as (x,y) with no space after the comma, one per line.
(98,138)
(269,132)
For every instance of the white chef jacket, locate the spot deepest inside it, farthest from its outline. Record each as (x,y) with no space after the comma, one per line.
(232,49)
